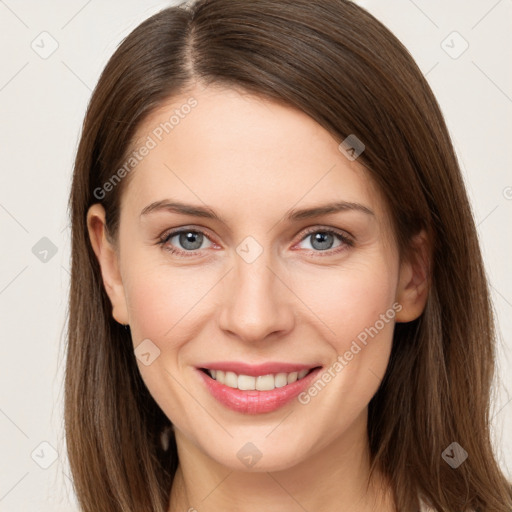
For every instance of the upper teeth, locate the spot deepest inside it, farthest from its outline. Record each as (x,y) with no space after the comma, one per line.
(261,383)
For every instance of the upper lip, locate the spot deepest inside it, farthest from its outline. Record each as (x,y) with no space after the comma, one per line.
(256,370)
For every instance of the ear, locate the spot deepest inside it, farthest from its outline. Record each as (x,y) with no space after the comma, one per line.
(414,279)
(108,260)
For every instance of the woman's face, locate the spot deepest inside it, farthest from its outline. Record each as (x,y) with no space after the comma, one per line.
(286,263)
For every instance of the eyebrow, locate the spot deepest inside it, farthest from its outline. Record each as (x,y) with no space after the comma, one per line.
(290,216)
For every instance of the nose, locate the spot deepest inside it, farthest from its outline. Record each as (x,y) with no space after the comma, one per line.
(257,305)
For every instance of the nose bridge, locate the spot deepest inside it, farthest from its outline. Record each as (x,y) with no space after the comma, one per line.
(255,303)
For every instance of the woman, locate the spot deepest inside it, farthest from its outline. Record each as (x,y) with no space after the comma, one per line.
(278,300)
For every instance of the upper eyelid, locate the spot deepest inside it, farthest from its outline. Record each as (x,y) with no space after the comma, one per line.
(177,231)
(337,231)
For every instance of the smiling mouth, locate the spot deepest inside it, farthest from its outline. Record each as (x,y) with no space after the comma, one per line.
(260,383)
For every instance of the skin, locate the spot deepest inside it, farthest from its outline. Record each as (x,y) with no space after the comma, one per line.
(252,160)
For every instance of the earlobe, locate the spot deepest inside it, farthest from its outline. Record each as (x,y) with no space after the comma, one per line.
(414,280)
(108,260)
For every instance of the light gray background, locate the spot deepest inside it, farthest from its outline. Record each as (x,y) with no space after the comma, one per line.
(42,104)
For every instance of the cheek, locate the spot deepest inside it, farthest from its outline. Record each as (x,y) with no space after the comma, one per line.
(351,299)
(351,309)
(357,308)
(164,306)
(160,299)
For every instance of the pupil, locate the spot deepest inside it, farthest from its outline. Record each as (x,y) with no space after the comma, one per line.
(187,240)
(323,241)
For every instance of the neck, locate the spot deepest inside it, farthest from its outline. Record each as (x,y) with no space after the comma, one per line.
(334,479)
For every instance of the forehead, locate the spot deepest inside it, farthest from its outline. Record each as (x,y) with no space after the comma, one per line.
(231,148)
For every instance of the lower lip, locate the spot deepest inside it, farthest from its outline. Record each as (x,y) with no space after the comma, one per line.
(254,401)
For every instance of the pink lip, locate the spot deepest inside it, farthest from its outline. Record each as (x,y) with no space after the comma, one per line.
(254,401)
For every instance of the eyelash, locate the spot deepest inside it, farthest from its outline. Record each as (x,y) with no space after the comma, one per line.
(346,241)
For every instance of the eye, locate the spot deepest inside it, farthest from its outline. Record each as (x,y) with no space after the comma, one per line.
(187,241)
(324,240)
(184,241)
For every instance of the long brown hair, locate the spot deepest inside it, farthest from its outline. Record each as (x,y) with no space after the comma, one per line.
(341,66)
